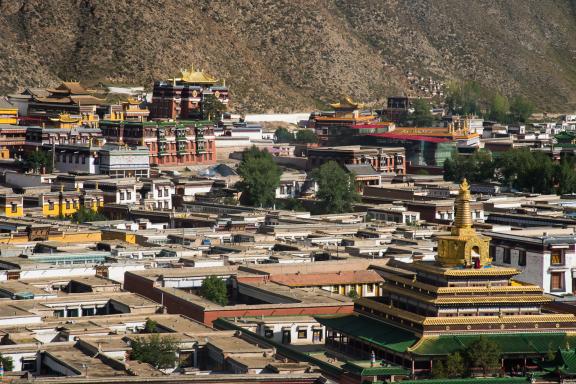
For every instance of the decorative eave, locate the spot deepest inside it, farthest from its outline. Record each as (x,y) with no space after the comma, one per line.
(516,319)
(462,272)
(461,290)
(525,299)
(492,289)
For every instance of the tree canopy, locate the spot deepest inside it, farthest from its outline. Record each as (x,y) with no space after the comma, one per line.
(212,108)
(499,107)
(422,115)
(214,289)
(520,169)
(469,97)
(336,190)
(84,215)
(283,135)
(7,362)
(37,161)
(464,98)
(260,177)
(158,351)
(521,109)
(150,326)
(303,136)
(526,170)
(306,136)
(453,367)
(484,354)
(478,167)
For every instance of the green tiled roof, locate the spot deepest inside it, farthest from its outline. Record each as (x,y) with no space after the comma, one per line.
(371,331)
(363,368)
(519,343)
(564,363)
(569,360)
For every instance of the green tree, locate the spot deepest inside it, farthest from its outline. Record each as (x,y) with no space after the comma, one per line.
(212,108)
(214,289)
(455,365)
(336,190)
(464,98)
(527,171)
(439,369)
(85,215)
(521,109)
(160,352)
(229,200)
(478,167)
(484,354)
(499,107)
(150,326)
(353,294)
(306,136)
(7,362)
(566,176)
(291,204)
(422,115)
(283,135)
(37,161)
(260,177)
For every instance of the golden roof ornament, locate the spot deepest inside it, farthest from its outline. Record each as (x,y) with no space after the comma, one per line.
(463,214)
(463,247)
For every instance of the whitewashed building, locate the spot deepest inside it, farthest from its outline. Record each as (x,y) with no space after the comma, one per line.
(545,257)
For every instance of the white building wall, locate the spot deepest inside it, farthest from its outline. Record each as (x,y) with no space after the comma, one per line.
(294,328)
(116,272)
(20,320)
(67,166)
(57,272)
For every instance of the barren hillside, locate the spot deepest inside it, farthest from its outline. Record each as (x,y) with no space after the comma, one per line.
(291,55)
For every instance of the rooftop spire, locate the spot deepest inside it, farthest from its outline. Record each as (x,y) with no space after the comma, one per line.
(463,215)
(463,247)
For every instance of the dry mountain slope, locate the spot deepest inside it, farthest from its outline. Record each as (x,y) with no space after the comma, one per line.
(290,55)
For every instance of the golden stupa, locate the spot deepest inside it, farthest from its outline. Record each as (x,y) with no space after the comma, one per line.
(463,247)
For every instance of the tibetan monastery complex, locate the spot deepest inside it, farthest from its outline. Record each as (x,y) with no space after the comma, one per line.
(428,310)
(182,97)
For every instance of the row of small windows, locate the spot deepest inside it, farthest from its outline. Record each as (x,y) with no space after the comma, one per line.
(504,255)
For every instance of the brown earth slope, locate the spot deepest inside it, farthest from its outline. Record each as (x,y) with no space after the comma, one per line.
(290,55)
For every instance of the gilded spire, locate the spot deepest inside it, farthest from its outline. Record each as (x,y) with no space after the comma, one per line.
(463,247)
(463,215)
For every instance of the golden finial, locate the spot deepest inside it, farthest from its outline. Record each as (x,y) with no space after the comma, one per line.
(96,186)
(61,187)
(464,186)
(463,215)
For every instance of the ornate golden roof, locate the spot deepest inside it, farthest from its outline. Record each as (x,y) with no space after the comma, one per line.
(346,103)
(195,77)
(66,118)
